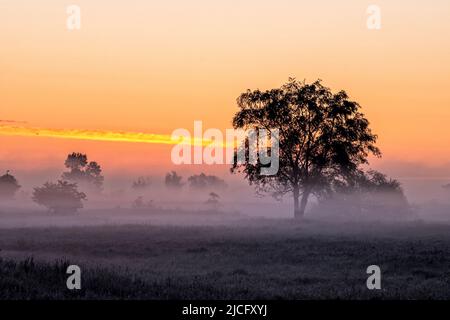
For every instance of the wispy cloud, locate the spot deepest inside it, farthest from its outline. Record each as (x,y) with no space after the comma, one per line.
(12,129)
(12,121)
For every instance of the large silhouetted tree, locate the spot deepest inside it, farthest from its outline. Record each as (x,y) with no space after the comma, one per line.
(323,138)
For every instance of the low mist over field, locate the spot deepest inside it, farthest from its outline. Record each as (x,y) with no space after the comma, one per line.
(148,239)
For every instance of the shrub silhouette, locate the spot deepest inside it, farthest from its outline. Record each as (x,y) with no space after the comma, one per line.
(213,201)
(367,193)
(60,197)
(8,186)
(139,203)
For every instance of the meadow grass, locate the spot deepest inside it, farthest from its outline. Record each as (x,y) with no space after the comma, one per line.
(269,260)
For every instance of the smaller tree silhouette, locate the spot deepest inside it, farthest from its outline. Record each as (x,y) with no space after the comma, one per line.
(141,183)
(447,186)
(82,171)
(139,203)
(202,181)
(60,197)
(213,202)
(8,186)
(173,180)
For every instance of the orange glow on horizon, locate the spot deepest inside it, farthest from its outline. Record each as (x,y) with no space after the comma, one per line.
(136,71)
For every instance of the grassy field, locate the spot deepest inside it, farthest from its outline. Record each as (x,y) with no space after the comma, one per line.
(251,259)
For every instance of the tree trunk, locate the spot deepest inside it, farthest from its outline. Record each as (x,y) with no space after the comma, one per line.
(296,204)
(300,206)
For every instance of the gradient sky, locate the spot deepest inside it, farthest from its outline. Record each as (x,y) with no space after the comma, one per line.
(154,66)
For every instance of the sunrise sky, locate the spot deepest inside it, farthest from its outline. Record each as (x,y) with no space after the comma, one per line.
(154,66)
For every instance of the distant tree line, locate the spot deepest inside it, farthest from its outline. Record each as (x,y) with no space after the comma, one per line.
(174,181)
(63,196)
